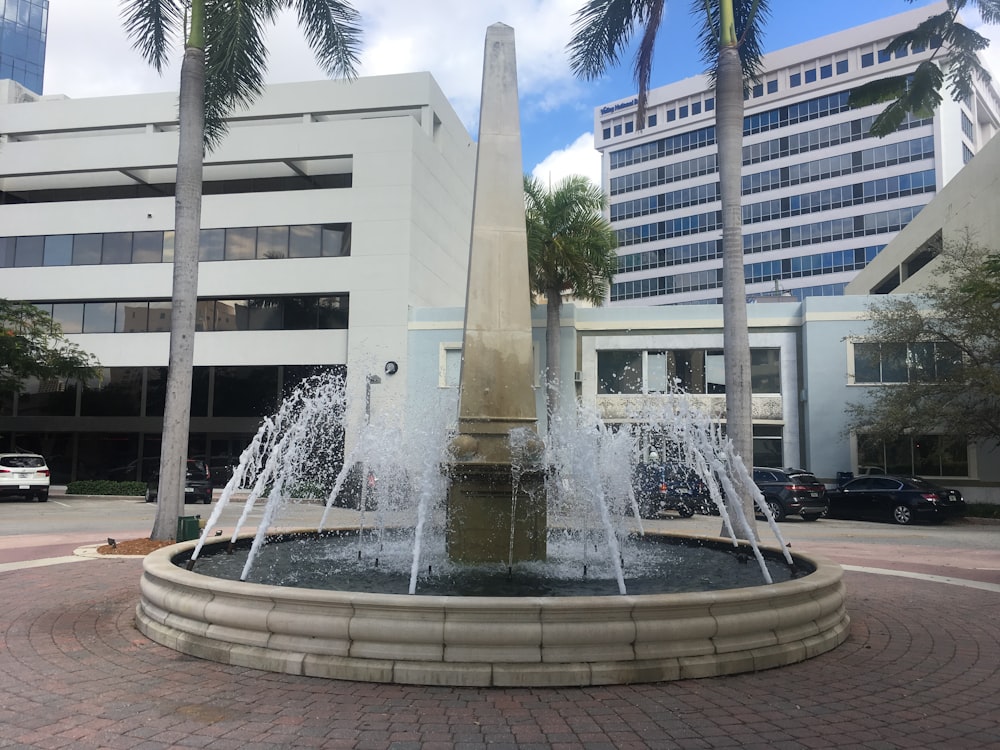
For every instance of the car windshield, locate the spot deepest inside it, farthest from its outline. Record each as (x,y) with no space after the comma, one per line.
(22,462)
(196,470)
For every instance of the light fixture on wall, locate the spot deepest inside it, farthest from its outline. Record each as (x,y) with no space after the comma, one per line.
(391,368)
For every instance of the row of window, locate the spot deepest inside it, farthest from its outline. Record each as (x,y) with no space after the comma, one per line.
(917,455)
(905,363)
(670,256)
(774,239)
(253,314)
(678,112)
(783,116)
(250,391)
(811,265)
(663,285)
(789,145)
(885,188)
(795,80)
(652,204)
(668,173)
(235,243)
(830,230)
(813,140)
(842,164)
(635,371)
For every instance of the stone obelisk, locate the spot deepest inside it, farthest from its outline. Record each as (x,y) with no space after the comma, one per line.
(491,518)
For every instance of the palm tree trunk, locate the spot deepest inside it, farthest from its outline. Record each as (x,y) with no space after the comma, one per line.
(553,371)
(187,228)
(736,340)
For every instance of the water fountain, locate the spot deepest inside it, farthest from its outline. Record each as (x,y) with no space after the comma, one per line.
(516,509)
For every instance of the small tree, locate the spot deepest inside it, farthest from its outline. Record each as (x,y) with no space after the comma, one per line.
(950,338)
(32,346)
(955,46)
(571,250)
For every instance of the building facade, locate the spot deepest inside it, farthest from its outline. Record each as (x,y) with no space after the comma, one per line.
(23,27)
(330,209)
(822,197)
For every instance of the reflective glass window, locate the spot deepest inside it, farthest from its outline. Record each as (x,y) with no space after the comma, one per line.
(272,242)
(29,251)
(7,245)
(132,317)
(159,316)
(117,393)
(619,371)
(305,241)
(241,243)
(245,391)
(117,248)
(211,244)
(147,247)
(336,239)
(58,250)
(99,317)
(69,315)
(765,370)
(87,249)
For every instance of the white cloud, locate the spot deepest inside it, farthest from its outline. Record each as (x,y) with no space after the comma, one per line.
(579,157)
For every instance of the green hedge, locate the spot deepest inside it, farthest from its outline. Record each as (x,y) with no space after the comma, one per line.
(105,487)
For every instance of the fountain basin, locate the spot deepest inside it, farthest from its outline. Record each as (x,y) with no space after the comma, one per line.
(491,641)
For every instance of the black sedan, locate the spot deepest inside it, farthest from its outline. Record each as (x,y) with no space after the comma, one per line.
(902,500)
(790,492)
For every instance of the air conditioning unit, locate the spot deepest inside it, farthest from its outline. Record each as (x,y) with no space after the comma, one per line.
(577,376)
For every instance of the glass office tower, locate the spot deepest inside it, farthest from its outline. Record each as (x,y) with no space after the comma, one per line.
(23,25)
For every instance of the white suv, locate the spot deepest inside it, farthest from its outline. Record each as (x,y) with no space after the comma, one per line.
(24,474)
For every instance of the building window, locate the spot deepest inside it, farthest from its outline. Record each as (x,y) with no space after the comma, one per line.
(758,90)
(449,365)
(967,126)
(811,75)
(606,133)
(695,108)
(879,363)
(841,67)
(772,87)
(682,111)
(629,127)
(619,372)
(651,121)
(795,80)
(767,447)
(917,455)
(884,56)
(671,115)
(867,59)
(901,53)
(826,71)
(709,104)
(618,129)
(966,154)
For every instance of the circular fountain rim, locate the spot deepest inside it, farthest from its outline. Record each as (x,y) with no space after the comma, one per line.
(491,641)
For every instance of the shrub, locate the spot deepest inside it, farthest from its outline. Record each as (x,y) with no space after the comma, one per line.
(105,487)
(982,510)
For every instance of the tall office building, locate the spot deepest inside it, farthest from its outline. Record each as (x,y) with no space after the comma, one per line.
(821,197)
(23,25)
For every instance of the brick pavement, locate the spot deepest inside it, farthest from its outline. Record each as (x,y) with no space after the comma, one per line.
(920,670)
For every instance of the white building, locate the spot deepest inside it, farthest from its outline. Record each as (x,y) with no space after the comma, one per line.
(821,197)
(330,209)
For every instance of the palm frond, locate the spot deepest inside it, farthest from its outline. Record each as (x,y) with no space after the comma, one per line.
(235,59)
(333,32)
(751,19)
(601,33)
(153,26)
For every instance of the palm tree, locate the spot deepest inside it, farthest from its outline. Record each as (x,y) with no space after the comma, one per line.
(223,67)
(571,250)
(919,92)
(730,36)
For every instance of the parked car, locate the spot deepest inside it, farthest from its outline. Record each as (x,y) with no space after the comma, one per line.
(197,484)
(24,475)
(660,487)
(899,499)
(791,492)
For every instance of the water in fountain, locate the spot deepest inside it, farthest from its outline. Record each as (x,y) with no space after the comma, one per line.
(395,479)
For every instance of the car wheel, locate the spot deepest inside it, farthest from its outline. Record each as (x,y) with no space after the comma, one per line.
(776,510)
(42,497)
(150,497)
(902,515)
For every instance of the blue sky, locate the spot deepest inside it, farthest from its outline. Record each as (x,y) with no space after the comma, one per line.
(89,55)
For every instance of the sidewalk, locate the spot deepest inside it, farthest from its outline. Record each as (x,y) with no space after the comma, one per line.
(920,670)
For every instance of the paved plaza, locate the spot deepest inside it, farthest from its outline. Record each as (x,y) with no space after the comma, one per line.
(921,669)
